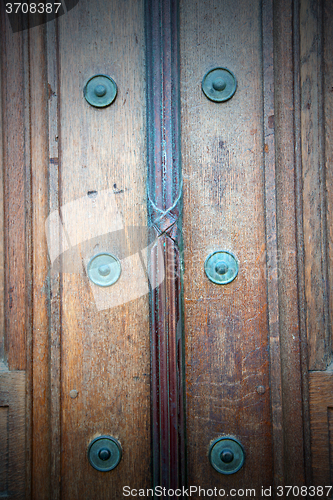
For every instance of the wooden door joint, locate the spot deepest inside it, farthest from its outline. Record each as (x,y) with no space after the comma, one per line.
(164,207)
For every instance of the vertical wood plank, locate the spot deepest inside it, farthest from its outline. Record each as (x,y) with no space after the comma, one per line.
(271,243)
(290,334)
(104,347)
(226,327)
(14,195)
(164,204)
(328,142)
(40,298)
(314,192)
(54,297)
(2,216)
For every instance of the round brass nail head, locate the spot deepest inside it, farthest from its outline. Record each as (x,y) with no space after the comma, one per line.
(104,269)
(221,267)
(104,453)
(100,91)
(219,84)
(73,393)
(226,455)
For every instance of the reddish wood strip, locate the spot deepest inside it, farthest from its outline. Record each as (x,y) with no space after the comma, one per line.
(164,191)
(328,141)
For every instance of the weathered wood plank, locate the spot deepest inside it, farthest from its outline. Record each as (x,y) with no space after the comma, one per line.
(328,141)
(104,347)
(314,193)
(290,333)
(164,205)
(41,451)
(14,178)
(54,275)
(271,242)
(226,327)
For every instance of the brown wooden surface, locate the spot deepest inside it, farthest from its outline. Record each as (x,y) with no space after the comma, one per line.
(87,168)
(271,242)
(328,144)
(291,336)
(164,208)
(15,188)
(314,190)
(105,353)
(226,328)
(40,347)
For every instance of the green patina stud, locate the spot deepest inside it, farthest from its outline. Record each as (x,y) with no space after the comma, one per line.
(226,455)
(100,91)
(219,84)
(104,453)
(104,269)
(221,267)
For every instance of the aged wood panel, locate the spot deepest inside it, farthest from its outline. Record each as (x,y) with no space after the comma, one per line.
(12,435)
(164,205)
(104,347)
(314,192)
(2,223)
(54,276)
(15,189)
(226,327)
(328,142)
(40,345)
(271,242)
(286,161)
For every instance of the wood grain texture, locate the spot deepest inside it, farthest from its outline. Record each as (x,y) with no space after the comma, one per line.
(2,224)
(14,178)
(54,292)
(328,141)
(271,242)
(290,333)
(226,327)
(12,435)
(104,347)
(321,404)
(164,208)
(40,349)
(314,192)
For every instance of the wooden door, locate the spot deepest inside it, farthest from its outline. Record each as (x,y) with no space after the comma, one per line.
(164,360)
